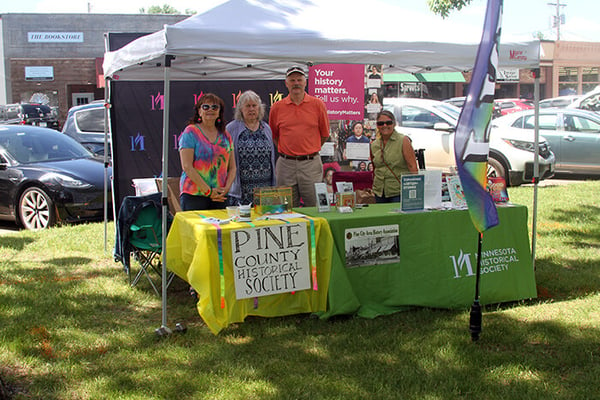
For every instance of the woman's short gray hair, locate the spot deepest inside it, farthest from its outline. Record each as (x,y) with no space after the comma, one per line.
(249,95)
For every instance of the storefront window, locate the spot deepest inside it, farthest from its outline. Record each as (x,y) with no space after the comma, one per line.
(567,74)
(526,91)
(567,81)
(590,74)
(590,79)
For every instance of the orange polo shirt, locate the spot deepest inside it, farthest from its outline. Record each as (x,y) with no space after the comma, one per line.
(298,128)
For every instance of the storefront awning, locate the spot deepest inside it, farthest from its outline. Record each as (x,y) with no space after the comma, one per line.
(425,77)
(399,78)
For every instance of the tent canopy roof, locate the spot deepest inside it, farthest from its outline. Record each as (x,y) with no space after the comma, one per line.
(249,39)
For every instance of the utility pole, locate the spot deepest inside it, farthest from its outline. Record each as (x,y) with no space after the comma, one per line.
(558,19)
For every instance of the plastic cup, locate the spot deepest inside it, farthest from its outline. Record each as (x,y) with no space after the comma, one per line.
(233,211)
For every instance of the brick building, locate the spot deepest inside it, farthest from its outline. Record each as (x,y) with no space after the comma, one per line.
(58,57)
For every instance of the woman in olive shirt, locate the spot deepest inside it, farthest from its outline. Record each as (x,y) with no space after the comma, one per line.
(392,155)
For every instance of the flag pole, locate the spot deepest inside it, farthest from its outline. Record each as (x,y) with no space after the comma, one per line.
(471,141)
(475,317)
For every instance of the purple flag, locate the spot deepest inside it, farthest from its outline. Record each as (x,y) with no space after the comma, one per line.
(471,144)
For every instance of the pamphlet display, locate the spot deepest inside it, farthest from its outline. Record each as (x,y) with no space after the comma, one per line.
(322,196)
(497,189)
(413,192)
(457,196)
(433,188)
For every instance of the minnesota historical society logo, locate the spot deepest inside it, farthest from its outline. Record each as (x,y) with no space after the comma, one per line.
(496,260)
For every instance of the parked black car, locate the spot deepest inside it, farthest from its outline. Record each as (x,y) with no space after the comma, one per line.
(29,114)
(47,177)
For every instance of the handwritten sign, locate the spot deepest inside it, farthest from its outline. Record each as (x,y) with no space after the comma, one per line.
(341,87)
(270,259)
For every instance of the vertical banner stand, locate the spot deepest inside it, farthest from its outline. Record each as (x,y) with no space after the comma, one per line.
(475,318)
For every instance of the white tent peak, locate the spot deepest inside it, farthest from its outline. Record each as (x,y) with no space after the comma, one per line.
(249,39)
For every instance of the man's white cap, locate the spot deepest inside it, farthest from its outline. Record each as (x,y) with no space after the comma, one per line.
(295,69)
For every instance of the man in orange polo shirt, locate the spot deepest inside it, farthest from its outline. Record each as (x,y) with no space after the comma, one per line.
(300,127)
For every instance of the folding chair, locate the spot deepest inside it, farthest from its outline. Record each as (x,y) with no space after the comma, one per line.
(139,233)
(420,156)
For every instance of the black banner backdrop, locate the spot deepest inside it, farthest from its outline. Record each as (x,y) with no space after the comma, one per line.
(137,120)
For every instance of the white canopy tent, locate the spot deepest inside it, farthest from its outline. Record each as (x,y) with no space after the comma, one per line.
(249,39)
(263,38)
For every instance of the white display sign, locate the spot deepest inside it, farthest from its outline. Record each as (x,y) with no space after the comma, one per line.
(39,73)
(327,150)
(55,37)
(358,151)
(270,259)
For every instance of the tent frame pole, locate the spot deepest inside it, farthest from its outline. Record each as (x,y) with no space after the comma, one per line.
(536,163)
(106,162)
(164,329)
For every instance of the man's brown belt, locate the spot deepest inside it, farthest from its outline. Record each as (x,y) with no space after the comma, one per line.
(299,158)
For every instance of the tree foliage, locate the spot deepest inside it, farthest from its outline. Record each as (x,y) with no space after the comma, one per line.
(164,9)
(443,7)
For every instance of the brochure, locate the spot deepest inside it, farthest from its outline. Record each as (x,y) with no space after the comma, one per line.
(433,188)
(497,189)
(322,196)
(457,196)
(344,187)
(413,192)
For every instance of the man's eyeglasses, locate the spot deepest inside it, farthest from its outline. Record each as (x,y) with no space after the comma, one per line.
(213,107)
(388,123)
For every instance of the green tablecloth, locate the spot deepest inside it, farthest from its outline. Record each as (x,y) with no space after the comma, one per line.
(437,261)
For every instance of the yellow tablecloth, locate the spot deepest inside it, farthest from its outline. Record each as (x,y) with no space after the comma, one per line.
(194,254)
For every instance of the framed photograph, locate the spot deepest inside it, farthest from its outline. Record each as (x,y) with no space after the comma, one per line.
(322,197)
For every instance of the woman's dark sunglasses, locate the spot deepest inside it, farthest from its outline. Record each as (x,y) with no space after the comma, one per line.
(382,123)
(207,107)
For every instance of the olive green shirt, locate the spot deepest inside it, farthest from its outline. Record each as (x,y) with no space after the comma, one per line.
(385,184)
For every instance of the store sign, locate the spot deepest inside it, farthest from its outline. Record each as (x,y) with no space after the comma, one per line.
(508,75)
(39,73)
(270,259)
(55,37)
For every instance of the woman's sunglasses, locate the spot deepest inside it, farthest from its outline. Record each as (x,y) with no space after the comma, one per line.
(382,123)
(213,107)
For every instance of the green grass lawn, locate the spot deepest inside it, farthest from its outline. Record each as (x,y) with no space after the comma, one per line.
(72,328)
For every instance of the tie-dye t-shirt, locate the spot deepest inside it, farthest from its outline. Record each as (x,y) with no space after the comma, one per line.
(211,160)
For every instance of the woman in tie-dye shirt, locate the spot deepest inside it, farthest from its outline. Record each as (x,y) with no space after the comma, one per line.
(206,153)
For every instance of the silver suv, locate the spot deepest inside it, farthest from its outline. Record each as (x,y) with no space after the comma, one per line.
(431,125)
(85,123)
